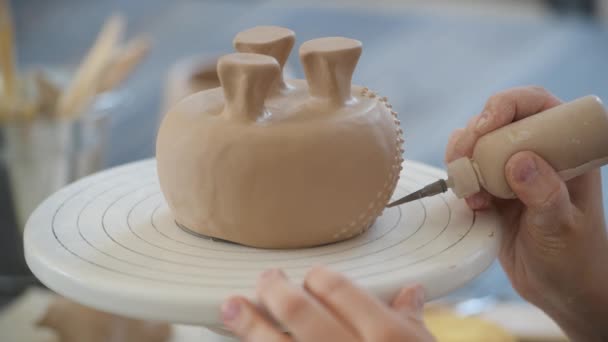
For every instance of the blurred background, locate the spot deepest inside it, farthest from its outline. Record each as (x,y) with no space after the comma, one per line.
(437,61)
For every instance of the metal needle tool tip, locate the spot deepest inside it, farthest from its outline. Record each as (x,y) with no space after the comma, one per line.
(432,189)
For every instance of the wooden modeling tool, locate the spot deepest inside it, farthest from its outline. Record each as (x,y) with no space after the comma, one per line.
(124,63)
(83,88)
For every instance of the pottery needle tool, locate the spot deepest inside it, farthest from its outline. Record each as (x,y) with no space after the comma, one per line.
(83,88)
(571,137)
(124,63)
(432,189)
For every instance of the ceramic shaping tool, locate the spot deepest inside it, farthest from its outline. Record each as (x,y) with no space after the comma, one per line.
(572,137)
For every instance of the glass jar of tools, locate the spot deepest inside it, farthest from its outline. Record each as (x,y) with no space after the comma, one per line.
(43,148)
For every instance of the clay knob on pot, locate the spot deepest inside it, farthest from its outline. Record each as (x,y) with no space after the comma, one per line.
(329,64)
(273,41)
(246,79)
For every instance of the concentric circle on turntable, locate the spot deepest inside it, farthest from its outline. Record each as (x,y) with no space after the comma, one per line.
(109,241)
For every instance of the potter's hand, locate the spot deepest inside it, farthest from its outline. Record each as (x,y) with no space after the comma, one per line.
(555,248)
(327,308)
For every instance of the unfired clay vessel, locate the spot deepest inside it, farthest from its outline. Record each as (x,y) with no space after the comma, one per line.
(275,163)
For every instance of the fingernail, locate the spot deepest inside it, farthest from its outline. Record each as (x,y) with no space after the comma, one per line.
(482,122)
(457,154)
(525,170)
(231,310)
(271,273)
(464,145)
(267,274)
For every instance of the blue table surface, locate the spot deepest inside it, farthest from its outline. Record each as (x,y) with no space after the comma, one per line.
(436,68)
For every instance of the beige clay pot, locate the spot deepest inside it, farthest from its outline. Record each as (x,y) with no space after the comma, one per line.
(275,163)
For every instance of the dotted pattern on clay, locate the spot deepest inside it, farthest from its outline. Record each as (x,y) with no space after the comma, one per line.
(366,219)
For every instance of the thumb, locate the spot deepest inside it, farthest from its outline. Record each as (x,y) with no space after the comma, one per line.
(539,187)
(409,303)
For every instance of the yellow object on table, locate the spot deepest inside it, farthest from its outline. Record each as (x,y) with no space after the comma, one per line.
(447,326)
